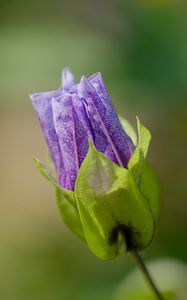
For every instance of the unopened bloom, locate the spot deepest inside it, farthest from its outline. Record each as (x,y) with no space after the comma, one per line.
(106,189)
(74,114)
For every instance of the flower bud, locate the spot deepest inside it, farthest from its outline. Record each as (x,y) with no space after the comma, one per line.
(102,189)
(72,115)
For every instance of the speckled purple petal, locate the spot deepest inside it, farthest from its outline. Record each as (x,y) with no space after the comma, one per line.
(97,81)
(72,128)
(72,115)
(68,79)
(109,136)
(42,103)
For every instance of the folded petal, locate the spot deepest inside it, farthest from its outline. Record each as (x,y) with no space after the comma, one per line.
(42,103)
(68,79)
(97,81)
(73,131)
(109,136)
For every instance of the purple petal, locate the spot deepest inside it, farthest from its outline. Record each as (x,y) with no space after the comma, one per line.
(72,128)
(42,103)
(97,81)
(109,136)
(68,79)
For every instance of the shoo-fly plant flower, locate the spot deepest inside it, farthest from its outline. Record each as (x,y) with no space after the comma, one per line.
(75,114)
(106,189)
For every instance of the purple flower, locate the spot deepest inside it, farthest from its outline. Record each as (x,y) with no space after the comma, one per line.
(72,115)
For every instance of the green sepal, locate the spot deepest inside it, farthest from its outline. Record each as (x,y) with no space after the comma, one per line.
(45,171)
(150,188)
(129,129)
(110,204)
(69,212)
(136,162)
(140,167)
(66,202)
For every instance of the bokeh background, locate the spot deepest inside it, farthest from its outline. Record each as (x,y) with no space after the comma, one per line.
(141,49)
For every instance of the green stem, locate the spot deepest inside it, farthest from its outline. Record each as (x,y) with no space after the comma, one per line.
(138,261)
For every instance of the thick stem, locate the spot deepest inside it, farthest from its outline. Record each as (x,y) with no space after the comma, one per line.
(138,261)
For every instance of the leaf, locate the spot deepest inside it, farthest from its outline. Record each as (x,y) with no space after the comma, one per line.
(170,276)
(136,161)
(110,204)
(66,202)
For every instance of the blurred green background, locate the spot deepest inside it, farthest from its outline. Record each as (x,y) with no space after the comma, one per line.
(141,49)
